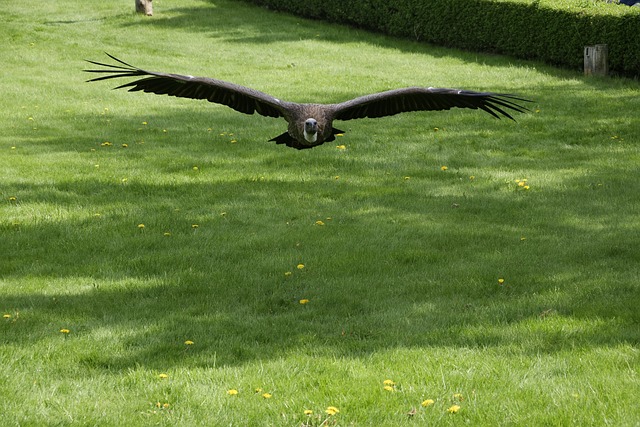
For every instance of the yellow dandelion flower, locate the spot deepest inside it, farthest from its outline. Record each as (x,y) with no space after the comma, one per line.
(526,187)
(195,168)
(331,410)
(501,281)
(106,144)
(300,266)
(319,222)
(427,402)
(141,226)
(458,396)
(166,234)
(267,395)
(389,382)
(308,412)
(6,316)
(341,147)
(406,178)
(158,404)
(443,168)
(232,392)
(188,342)
(124,180)
(163,376)
(258,390)
(522,239)
(125,145)
(336,177)
(453,409)
(233,141)
(145,123)
(472,177)
(287,273)
(64,331)
(13,198)
(165,405)
(194,226)
(388,388)
(304,301)
(339,134)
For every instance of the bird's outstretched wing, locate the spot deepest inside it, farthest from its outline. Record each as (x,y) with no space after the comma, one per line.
(422,99)
(240,98)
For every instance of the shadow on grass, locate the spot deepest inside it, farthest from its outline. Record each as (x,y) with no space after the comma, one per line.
(399,264)
(243,23)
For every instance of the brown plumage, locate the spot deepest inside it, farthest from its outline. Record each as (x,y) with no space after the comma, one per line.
(309,124)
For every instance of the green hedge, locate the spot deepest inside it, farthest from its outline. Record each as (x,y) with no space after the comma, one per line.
(552,31)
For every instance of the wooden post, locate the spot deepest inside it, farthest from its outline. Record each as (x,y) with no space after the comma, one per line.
(596,60)
(144,6)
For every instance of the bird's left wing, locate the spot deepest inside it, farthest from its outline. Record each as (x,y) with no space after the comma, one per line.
(240,98)
(422,99)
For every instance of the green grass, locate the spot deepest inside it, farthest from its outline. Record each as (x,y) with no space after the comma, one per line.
(402,278)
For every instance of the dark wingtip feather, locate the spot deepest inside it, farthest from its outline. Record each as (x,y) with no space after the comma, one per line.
(114,71)
(498,103)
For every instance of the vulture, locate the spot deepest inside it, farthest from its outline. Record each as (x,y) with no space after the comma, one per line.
(309,125)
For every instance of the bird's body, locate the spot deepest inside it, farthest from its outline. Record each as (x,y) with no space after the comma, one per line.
(309,125)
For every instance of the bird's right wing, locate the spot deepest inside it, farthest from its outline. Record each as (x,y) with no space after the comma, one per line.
(240,98)
(426,99)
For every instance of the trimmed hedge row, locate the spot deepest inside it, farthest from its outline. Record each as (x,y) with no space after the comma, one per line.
(525,29)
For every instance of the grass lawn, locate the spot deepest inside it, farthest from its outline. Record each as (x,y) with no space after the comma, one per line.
(158,255)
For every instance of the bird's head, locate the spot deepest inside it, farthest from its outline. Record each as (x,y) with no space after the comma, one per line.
(311,130)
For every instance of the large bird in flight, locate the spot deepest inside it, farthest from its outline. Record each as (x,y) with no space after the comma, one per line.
(309,124)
